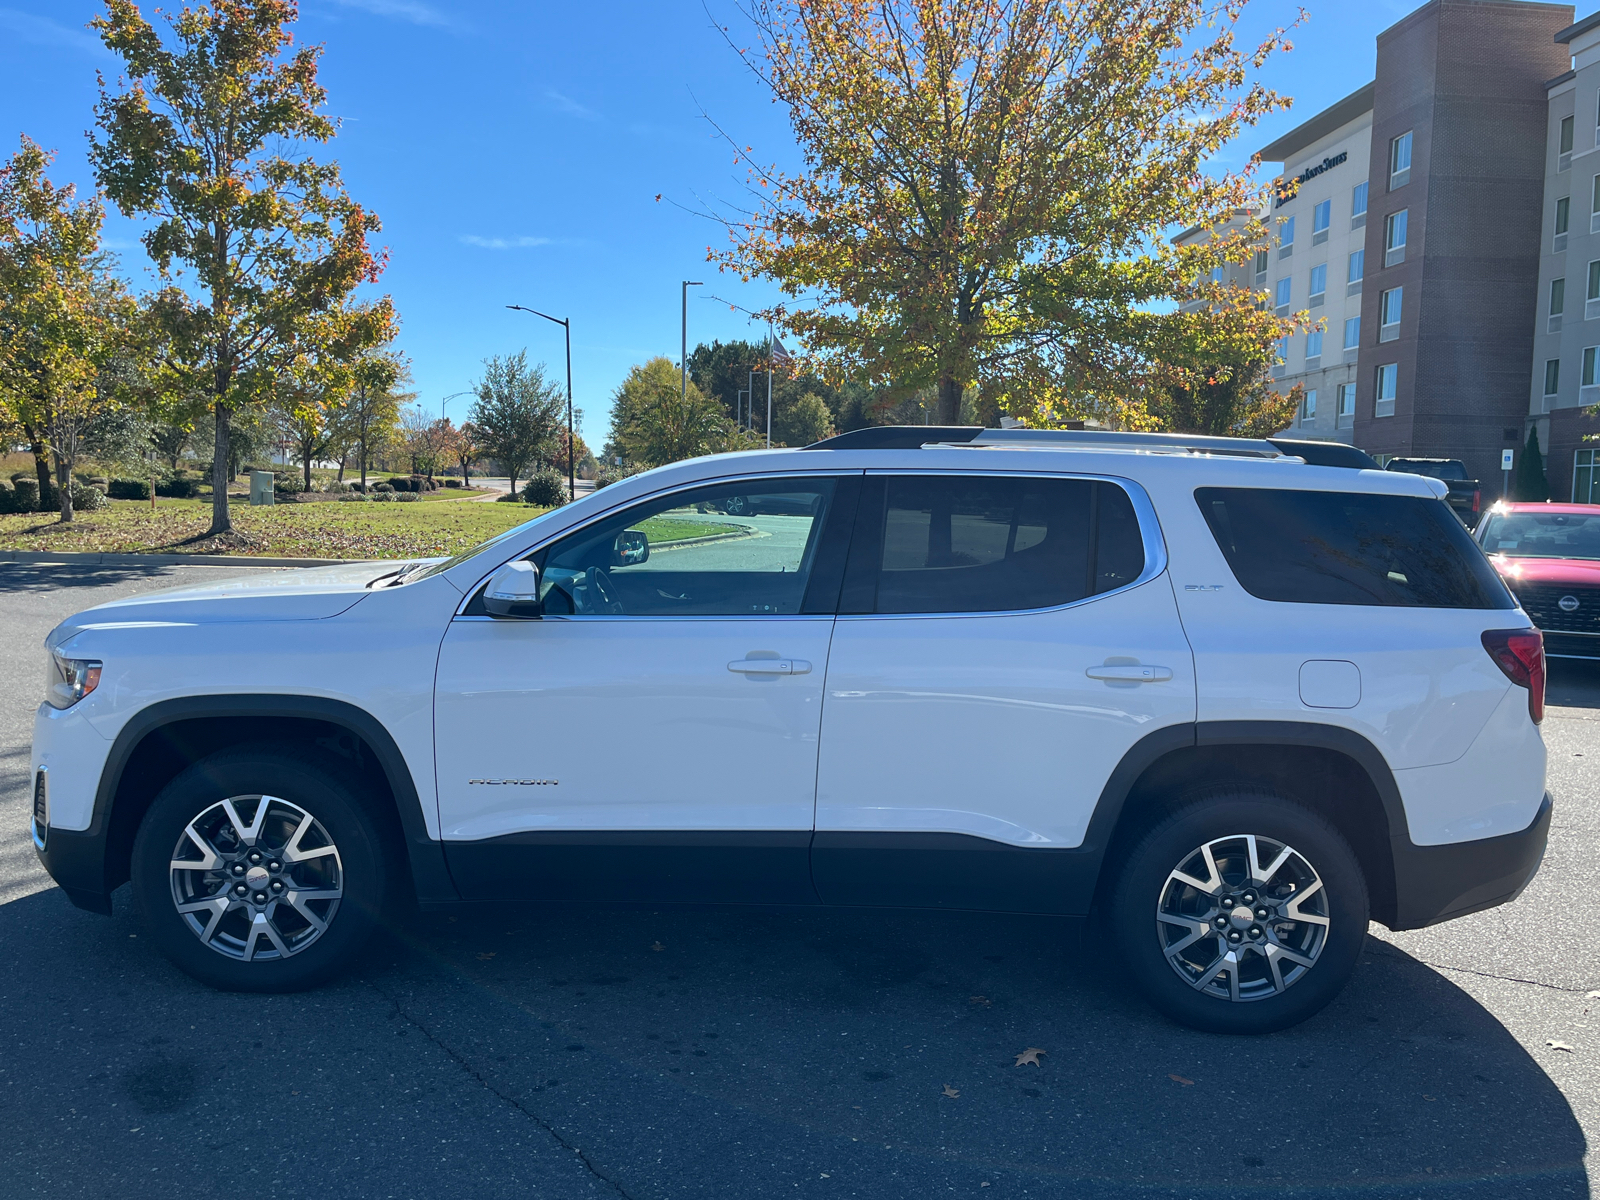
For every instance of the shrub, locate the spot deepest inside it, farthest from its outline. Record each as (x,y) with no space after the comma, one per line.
(356,496)
(129,489)
(609,475)
(99,481)
(87,498)
(25,492)
(288,485)
(509,498)
(407,496)
(8,496)
(178,487)
(547,488)
(391,494)
(383,488)
(452,483)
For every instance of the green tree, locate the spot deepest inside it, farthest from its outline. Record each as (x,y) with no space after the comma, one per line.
(653,421)
(67,326)
(1531,482)
(801,422)
(984,187)
(518,413)
(1234,399)
(372,416)
(209,138)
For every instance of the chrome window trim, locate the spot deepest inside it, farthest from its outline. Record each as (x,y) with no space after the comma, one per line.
(1155,547)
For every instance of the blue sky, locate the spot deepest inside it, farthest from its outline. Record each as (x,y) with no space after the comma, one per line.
(515,151)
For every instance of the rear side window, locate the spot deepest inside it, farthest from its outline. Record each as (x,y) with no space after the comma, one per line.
(1304,547)
(970,543)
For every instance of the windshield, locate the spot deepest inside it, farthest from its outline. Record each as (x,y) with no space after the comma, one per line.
(1543,535)
(445,564)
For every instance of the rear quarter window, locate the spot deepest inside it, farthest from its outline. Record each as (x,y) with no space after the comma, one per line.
(1303,547)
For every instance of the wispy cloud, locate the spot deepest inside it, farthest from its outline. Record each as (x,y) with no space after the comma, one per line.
(570,106)
(413,11)
(516,243)
(41,31)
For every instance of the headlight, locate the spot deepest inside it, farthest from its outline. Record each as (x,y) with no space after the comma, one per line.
(68,680)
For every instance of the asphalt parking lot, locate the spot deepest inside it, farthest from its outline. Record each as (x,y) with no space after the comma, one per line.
(576,1052)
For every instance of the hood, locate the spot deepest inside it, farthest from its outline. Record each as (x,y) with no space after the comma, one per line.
(1575,571)
(266,594)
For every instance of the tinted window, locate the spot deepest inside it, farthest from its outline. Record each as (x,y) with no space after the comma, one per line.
(964,543)
(1347,548)
(1542,535)
(738,549)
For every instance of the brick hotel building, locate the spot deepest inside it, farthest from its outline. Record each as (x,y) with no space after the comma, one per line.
(1443,222)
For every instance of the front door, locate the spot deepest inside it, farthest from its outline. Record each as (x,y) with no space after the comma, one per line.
(1002,642)
(654,735)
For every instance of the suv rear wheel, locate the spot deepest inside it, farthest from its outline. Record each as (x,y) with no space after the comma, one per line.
(258,872)
(1240,913)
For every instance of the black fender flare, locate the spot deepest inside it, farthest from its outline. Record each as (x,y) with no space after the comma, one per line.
(77,859)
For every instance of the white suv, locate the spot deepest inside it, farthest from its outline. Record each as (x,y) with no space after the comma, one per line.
(1235,702)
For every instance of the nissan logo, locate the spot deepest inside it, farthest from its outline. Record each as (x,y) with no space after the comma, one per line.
(1568,604)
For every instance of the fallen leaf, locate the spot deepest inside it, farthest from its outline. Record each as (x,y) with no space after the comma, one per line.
(1181,1079)
(1030,1056)
(488,955)
(1559,1046)
(657,946)
(136,1129)
(983,1000)
(985,1183)
(950,1091)
(825,1175)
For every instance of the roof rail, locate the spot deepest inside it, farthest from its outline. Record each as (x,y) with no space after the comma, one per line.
(914,437)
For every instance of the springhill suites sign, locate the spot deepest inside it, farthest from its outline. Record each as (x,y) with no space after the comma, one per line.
(1290,188)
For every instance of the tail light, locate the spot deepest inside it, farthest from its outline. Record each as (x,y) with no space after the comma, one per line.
(1477,499)
(1520,654)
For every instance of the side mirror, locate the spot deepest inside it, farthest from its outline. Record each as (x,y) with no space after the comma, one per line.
(633,548)
(513,591)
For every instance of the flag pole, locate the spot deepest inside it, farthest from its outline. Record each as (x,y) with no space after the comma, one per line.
(769,385)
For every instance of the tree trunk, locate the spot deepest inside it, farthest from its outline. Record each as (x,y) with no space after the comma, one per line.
(220,520)
(41,459)
(949,410)
(305,457)
(362,455)
(64,478)
(342,458)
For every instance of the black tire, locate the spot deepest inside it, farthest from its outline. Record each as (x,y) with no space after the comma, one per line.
(357,869)
(1287,993)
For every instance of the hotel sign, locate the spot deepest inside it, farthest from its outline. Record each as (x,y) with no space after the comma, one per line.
(1290,188)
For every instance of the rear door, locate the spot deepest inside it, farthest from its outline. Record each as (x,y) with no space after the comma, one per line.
(1003,640)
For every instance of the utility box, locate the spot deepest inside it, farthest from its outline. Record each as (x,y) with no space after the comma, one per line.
(261,488)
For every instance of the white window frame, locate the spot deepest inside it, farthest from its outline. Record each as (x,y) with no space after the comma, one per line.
(1352,324)
(1308,407)
(1286,237)
(1389,330)
(1400,147)
(1358,196)
(1395,252)
(1385,373)
(1283,294)
(1344,416)
(1313,344)
(1317,295)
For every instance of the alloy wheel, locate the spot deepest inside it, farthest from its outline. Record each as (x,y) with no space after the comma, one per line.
(256,878)
(1242,918)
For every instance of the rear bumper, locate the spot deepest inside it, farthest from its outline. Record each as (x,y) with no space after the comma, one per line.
(1440,883)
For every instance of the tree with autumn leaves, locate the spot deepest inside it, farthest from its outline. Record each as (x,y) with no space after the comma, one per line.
(981,192)
(209,139)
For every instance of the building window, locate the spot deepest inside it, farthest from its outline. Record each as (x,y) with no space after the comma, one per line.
(1261,262)
(1386,381)
(1358,205)
(1563,206)
(1552,376)
(1319,282)
(1308,408)
(1586,376)
(1389,315)
(1558,297)
(1347,406)
(1314,344)
(1564,146)
(1394,238)
(1352,333)
(1400,160)
(1321,215)
(1584,478)
(1216,274)
(1283,293)
(1358,265)
(1286,237)
(1591,296)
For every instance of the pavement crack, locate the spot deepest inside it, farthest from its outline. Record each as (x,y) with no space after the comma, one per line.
(490,1086)
(1554,987)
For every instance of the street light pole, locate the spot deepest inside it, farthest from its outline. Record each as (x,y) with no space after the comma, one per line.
(572,446)
(683,360)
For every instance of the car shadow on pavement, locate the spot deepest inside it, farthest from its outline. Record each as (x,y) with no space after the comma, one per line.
(753,1053)
(40,577)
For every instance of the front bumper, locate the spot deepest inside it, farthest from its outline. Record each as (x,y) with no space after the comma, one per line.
(1439,883)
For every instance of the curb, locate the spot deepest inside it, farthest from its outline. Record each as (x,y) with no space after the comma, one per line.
(80,558)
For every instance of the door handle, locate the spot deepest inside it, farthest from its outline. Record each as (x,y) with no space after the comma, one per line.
(770,666)
(1135,673)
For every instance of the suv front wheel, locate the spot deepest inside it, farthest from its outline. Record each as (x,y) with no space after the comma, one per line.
(258,872)
(1240,913)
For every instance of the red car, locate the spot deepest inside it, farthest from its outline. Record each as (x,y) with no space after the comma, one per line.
(1549,555)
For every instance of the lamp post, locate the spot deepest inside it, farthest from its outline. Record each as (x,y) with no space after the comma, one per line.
(466,475)
(566,324)
(683,359)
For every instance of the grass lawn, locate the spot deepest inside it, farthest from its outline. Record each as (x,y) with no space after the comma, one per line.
(671,529)
(330,529)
